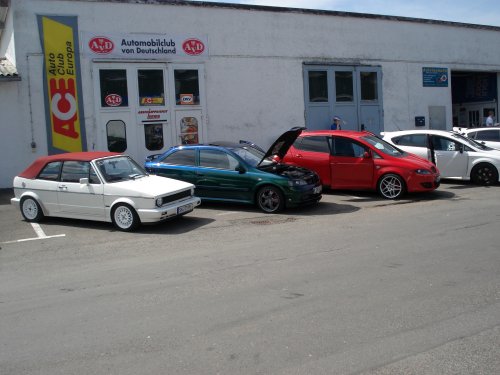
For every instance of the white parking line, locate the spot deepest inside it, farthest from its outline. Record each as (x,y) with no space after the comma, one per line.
(39,232)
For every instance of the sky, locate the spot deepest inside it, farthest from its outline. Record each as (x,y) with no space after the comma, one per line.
(482,12)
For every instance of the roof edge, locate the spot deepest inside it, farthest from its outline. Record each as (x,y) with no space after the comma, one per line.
(265,8)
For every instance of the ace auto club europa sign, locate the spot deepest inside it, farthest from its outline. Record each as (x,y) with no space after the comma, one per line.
(148,46)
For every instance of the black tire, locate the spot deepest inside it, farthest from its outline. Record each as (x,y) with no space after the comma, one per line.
(31,210)
(391,186)
(125,218)
(484,174)
(270,199)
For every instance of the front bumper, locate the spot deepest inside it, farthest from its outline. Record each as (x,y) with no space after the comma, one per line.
(303,195)
(177,208)
(423,183)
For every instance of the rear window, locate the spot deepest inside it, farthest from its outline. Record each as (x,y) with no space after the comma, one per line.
(181,157)
(413,140)
(314,144)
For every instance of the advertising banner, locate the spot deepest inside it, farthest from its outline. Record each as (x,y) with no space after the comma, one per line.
(144,46)
(62,84)
(435,77)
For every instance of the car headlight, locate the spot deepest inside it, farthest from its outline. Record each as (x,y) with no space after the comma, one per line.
(297,182)
(159,202)
(422,171)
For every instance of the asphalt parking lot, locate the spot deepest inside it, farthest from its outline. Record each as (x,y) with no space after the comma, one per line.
(354,285)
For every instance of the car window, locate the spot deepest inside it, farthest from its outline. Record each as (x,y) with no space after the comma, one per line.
(314,144)
(217,159)
(487,135)
(444,144)
(51,171)
(347,147)
(72,171)
(181,157)
(413,140)
(383,146)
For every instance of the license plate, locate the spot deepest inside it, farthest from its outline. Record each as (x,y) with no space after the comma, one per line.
(184,209)
(317,189)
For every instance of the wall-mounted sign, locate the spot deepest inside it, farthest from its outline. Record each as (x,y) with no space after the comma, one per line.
(152,114)
(62,84)
(148,46)
(435,77)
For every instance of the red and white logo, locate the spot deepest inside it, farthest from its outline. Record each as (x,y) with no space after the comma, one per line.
(101,45)
(113,100)
(193,47)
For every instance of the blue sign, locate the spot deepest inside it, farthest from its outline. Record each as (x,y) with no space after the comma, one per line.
(435,77)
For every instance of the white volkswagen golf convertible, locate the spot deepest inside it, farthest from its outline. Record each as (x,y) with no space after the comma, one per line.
(102,186)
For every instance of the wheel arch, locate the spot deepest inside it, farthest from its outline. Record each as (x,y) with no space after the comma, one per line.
(31,194)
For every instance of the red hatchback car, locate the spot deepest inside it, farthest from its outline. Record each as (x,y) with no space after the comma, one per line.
(362,161)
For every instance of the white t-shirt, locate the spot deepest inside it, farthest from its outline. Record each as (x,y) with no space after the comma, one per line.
(489,121)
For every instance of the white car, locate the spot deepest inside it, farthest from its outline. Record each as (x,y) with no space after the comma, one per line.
(487,136)
(102,186)
(456,156)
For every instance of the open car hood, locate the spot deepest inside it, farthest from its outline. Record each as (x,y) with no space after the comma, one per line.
(281,145)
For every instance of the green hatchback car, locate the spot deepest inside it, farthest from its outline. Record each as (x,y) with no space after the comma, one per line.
(241,172)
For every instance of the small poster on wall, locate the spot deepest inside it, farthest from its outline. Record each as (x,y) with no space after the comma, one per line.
(435,77)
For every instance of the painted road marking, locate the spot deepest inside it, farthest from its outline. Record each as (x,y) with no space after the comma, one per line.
(39,232)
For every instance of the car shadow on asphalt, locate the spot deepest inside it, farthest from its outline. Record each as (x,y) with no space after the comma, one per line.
(320,208)
(464,185)
(365,196)
(177,225)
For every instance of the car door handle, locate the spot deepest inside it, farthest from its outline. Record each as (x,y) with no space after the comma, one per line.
(63,187)
(299,156)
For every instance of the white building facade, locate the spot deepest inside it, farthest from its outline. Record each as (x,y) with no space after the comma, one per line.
(141,76)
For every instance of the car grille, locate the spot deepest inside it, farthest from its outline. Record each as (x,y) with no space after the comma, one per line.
(175,197)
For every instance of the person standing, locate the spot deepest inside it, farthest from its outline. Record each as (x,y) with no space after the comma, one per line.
(490,121)
(337,123)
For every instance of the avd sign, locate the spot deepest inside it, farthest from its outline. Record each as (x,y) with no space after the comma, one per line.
(150,46)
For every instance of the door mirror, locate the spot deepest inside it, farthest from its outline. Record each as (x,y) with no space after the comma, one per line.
(240,169)
(461,148)
(84,181)
(366,155)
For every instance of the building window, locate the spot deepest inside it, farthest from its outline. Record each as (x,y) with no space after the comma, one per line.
(117,136)
(369,87)
(151,89)
(153,134)
(113,84)
(344,86)
(187,87)
(318,86)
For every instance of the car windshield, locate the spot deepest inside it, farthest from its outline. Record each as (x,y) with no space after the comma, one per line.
(120,168)
(383,146)
(471,142)
(251,155)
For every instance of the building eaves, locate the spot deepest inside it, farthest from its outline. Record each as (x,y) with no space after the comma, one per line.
(8,71)
(262,8)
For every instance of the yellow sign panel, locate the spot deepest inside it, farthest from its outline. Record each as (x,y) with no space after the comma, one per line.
(61,78)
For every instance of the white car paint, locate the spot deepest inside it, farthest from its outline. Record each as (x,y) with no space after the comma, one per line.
(479,135)
(456,162)
(95,201)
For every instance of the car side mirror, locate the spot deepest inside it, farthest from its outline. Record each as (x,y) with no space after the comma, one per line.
(84,181)
(461,148)
(240,169)
(366,155)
